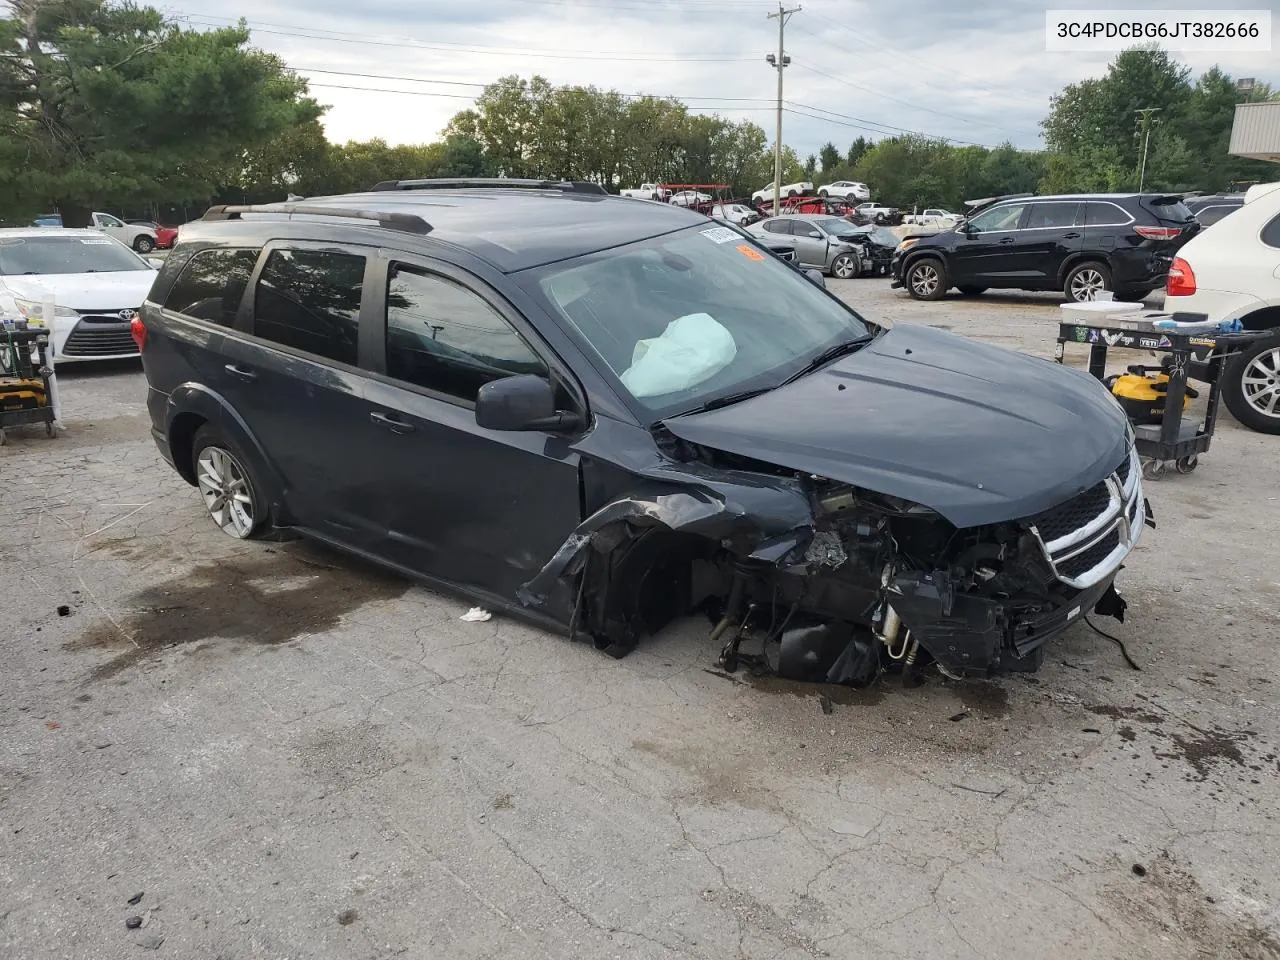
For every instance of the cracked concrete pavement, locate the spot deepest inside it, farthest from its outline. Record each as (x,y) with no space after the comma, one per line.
(291,754)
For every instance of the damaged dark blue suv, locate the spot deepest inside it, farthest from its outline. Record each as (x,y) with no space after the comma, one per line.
(603,415)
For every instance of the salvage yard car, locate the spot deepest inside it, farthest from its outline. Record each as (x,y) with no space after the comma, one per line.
(1082,245)
(96,283)
(823,243)
(604,415)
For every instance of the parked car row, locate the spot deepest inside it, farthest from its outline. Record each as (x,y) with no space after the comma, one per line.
(140,235)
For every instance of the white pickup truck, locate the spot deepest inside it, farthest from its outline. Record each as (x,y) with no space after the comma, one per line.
(140,238)
(933,217)
(647,191)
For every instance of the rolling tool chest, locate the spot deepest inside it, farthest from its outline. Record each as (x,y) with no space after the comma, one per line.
(26,393)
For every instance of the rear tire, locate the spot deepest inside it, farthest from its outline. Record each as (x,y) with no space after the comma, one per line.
(144,244)
(1086,280)
(822,194)
(232,494)
(1251,386)
(972,291)
(926,279)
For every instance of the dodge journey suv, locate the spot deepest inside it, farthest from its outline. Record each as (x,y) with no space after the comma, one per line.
(1079,244)
(603,415)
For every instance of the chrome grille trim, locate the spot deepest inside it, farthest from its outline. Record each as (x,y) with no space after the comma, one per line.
(1123,518)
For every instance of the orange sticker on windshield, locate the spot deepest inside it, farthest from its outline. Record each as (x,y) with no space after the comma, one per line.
(750,252)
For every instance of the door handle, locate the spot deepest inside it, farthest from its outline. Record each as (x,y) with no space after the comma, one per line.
(1006,240)
(240,373)
(1070,236)
(391,423)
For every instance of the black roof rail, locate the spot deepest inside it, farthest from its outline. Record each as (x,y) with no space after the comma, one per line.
(405,222)
(507,183)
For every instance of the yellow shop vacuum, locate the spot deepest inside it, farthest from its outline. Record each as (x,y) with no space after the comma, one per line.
(1143,392)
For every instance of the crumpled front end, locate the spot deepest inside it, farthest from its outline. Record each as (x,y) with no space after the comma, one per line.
(821,581)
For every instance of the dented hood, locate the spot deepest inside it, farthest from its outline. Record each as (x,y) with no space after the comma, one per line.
(977,433)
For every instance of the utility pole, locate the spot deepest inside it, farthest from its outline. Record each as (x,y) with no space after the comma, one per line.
(1144,126)
(779,63)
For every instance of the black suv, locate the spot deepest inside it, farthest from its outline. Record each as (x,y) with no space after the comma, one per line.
(603,414)
(1079,244)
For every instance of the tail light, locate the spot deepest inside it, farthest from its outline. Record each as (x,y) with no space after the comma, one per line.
(1158,233)
(138,330)
(1181,281)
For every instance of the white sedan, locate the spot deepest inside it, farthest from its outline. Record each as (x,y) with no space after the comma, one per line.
(689,198)
(96,284)
(765,193)
(845,190)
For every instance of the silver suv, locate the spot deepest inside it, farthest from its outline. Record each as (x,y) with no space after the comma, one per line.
(821,242)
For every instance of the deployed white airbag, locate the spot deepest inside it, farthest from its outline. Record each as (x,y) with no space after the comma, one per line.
(692,349)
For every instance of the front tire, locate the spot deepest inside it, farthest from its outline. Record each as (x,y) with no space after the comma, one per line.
(823,194)
(1086,280)
(144,244)
(1251,389)
(926,279)
(844,267)
(231,493)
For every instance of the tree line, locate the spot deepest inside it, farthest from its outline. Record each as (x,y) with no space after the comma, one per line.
(111,106)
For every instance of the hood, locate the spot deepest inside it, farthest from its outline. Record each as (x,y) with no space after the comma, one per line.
(979,434)
(86,291)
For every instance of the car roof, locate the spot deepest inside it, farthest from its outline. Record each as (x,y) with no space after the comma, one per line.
(513,229)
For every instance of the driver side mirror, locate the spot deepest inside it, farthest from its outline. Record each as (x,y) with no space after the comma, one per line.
(522,402)
(969,230)
(813,234)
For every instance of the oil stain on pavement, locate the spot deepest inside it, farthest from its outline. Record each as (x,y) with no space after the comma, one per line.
(266,599)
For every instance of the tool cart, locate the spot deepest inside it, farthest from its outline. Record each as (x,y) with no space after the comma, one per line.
(26,393)
(1155,398)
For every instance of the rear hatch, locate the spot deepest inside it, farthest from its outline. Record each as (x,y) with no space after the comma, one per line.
(1172,223)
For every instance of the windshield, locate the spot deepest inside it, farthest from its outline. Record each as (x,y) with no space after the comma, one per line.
(21,256)
(689,317)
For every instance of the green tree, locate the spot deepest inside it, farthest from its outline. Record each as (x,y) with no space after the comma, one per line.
(829,157)
(110,104)
(856,150)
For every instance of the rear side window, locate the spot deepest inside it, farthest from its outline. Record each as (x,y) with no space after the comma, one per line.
(778,226)
(1271,233)
(443,337)
(310,300)
(1100,214)
(1052,215)
(1209,215)
(212,284)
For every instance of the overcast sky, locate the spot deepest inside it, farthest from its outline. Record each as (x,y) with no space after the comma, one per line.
(977,74)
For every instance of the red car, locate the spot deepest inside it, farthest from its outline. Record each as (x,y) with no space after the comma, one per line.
(164,235)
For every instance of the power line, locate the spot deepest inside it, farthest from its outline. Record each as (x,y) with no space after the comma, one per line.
(411,44)
(891,129)
(464,96)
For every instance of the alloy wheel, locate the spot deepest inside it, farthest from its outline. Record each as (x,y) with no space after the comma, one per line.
(1261,381)
(924,279)
(224,486)
(1086,285)
(843,267)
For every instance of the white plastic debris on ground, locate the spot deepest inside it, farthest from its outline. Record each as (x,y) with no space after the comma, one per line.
(692,348)
(476,615)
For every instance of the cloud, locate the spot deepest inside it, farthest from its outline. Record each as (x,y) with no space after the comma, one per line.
(972,73)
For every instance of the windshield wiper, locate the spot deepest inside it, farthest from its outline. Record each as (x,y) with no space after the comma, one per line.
(715,403)
(829,354)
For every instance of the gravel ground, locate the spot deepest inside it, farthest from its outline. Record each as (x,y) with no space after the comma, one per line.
(286,754)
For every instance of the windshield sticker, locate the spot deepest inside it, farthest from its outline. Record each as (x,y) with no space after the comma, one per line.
(720,235)
(750,252)
(96,240)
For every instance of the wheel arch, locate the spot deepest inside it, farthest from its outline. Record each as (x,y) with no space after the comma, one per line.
(1266,318)
(191,405)
(1074,260)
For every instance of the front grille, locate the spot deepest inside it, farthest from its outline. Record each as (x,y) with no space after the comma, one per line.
(98,339)
(1085,538)
(1082,563)
(1073,514)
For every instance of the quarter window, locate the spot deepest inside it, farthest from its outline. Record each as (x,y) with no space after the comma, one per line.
(1048,215)
(310,300)
(443,337)
(212,284)
(1000,218)
(1271,233)
(1099,214)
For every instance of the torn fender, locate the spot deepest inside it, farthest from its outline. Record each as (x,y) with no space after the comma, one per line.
(770,522)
